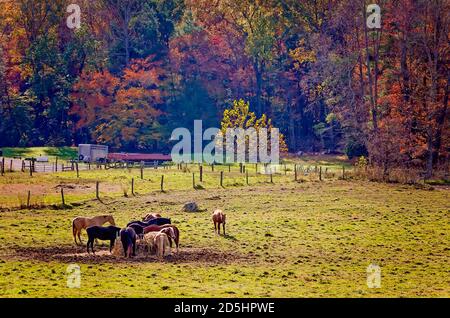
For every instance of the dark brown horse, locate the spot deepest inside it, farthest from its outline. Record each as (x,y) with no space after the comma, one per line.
(172,235)
(109,233)
(218,218)
(156,221)
(128,239)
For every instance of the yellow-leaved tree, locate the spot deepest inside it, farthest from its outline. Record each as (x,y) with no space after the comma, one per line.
(240,116)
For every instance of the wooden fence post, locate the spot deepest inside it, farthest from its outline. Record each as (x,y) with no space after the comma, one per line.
(56,165)
(162,183)
(221,178)
(212,167)
(10,165)
(62,197)
(295,172)
(28,199)
(229,168)
(3,166)
(285,169)
(23,166)
(343,172)
(97,186)
(201,173)
(320,173)
(271,177)
(142,170)
(78,172)
(31,169)
(246,177)
(193,180)
(132,186)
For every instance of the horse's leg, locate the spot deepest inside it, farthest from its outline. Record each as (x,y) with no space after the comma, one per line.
(111,244)
(223,224)
(74,232)
(218,228)
(87,246)
(215,229)
(79,236)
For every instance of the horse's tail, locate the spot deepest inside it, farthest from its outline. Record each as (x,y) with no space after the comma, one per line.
(129,249)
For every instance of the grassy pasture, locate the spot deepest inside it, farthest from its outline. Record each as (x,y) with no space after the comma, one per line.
(45,187)
(65,153)
(305,239)
(284,239)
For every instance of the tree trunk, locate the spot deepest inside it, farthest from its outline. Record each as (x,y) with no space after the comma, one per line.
(369,73)
(258,74)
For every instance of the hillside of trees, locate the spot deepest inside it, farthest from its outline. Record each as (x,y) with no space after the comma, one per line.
(137,69)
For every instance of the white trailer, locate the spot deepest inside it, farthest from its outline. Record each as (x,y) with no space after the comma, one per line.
(92,153)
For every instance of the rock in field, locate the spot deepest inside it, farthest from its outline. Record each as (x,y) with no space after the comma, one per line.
(190,207)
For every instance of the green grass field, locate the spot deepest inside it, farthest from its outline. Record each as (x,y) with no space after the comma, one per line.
(65,153)
(45,187)
(284,239)
(294,240)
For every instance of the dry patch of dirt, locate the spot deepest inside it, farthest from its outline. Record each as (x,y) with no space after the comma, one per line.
(102,255)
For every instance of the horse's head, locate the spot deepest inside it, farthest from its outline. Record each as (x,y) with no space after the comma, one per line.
(169,232)
(110,219)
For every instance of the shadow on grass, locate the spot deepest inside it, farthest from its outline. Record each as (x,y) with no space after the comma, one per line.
(230,237)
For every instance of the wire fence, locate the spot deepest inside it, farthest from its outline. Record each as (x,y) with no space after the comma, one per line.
(131,179)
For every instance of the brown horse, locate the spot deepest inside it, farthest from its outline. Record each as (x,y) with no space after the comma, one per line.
(172,235)
(218,218)
(80,223)
(151,216)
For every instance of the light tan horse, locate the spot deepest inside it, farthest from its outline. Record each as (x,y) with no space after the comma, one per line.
(149,239)
(218,218)
(81,222)
(162,245)
(173,233)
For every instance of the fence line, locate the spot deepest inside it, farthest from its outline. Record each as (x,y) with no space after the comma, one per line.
(286,172)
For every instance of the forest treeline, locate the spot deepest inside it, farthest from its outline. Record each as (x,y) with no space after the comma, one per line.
(137,69)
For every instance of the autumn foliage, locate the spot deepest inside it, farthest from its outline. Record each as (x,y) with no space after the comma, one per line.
(138,69)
